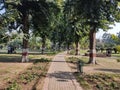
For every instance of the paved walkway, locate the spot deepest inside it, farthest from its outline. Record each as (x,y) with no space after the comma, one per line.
(59,76)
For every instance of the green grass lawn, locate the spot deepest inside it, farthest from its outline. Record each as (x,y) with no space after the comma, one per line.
(82,52)
(119,3)
(116,55)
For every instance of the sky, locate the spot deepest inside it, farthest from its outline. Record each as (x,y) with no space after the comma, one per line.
(114,30)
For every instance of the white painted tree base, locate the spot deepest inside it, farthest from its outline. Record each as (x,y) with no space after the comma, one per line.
(92,60)
(25,55)
(25,59)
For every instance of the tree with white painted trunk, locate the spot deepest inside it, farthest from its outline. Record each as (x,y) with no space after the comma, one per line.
(43,26)
(92,46)
(96,14)
(24,9)
(74,26)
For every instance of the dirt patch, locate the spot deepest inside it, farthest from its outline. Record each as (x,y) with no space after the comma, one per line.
(9,71)
(23,76)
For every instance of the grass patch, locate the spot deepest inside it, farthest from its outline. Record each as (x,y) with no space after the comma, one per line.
(99,81)
(83,82)
(116,55)
(76,59)
(14,86)
(17,57)
(119,3)
(52,53)
(72,52)
(118,60)
(42,60)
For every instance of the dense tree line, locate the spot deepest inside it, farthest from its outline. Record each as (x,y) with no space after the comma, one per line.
(62,22)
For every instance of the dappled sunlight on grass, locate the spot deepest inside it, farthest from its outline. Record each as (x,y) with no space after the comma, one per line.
(17,57)
(75,59)
(116,55)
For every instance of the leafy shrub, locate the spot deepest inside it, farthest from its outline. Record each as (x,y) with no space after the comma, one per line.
(14,86)
(99,81)
(118,60)
(100,86)
(41,60)
(118,48)
(52,53)
(113,84)
(72,52)
(28,76)
(75,60)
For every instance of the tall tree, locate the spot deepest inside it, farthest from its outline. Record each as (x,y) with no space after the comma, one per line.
(97,14)
(25,9)
(79,30)
(43,26)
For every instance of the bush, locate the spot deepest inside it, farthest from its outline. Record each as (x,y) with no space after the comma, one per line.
(118,48)
(41,60)
(118,60)
(72,52)
(14,86)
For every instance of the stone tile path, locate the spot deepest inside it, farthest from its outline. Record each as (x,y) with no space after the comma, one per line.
(59,76)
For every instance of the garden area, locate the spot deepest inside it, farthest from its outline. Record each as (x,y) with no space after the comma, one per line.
(33,32)
(23,76)
(105,75)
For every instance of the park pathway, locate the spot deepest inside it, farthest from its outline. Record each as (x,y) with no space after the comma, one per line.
(59,76)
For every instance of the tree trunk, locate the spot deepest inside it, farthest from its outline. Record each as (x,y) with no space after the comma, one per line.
(54,46)
(59,46)
(43,46)
(25,38)
(68,48)
(92,53)
(77,48)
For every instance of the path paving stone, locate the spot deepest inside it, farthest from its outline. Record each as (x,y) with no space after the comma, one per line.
(59,76)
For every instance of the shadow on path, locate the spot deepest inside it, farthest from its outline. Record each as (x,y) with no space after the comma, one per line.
(61,76)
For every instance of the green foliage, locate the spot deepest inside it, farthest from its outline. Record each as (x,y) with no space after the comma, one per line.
(113,85)
(100,86)
(74,23)
(99,81)
(119,3)
(118,60)
(14,86)
(28,76)
(76,59)
(72,59)
(98,12)
(118,48)
(72,52)
(42,60)
(35,43)
(83,82)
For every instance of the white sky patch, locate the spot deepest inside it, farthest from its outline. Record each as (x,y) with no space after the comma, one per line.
(114,30)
